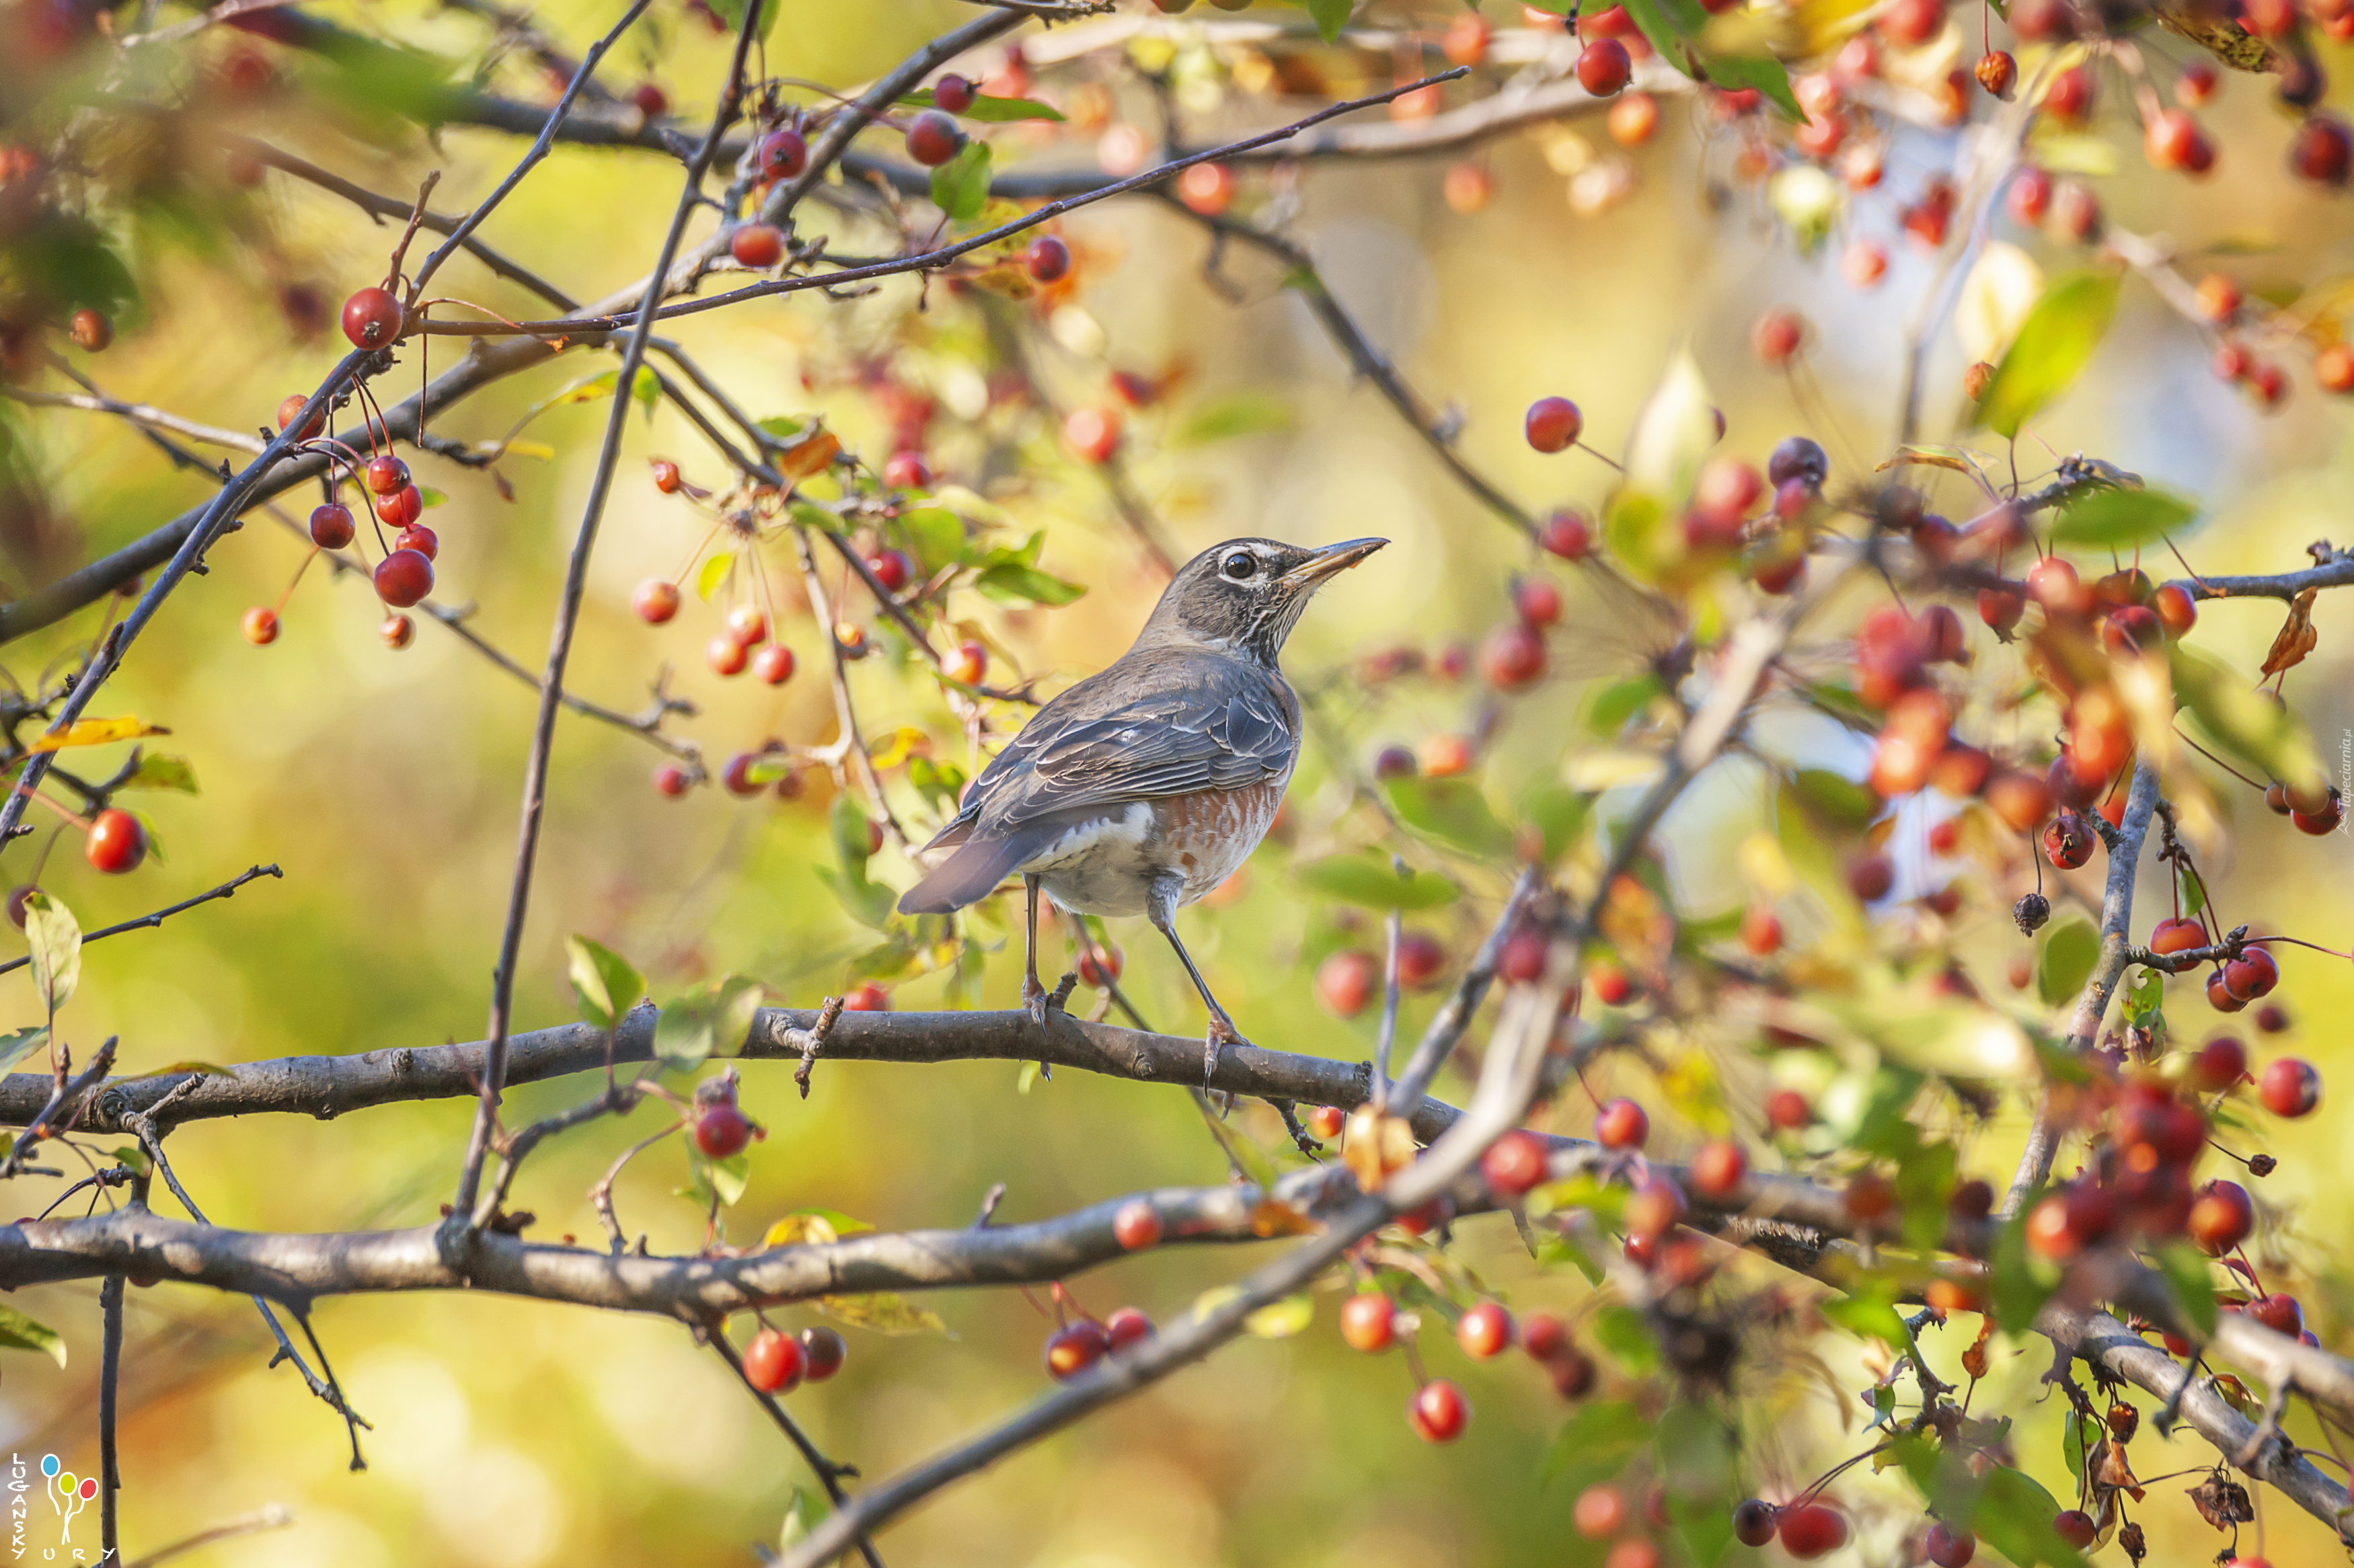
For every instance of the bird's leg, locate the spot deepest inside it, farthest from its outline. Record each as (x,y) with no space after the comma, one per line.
(1160,909)
(1035,1000)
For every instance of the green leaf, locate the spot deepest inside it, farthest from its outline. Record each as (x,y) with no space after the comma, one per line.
(1606,1433)
(2066,961)
(1238,414)
(1620,1330)
(1024,585)
(1669,24)
(2242,720)
(1764,74)
(2185,1268)
(1619,702)
(987,111)
(2014,1515)
(19,1332)
(961,185)
(1451,811)
(162,772)
(732,13)
(1674,432)
(712,1020)
(2022,1282)
(937,536)
(2145,996)
(1329,16)
(2119,519)
(1557,812)
(2053,345)
(55,938)
(1924,1184)
(722,1179)
(429,497)
(714,574)
(804,1513)
(606,983)
(868,902)
(19,1043)
(784,427)
(1836,796)
(1368,878)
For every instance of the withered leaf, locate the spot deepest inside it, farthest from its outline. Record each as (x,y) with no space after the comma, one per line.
(2296,638)
(2223,1502)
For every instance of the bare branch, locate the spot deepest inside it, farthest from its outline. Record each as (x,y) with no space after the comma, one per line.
(148,922)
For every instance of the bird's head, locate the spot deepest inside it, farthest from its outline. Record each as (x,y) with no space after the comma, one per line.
(1244,596)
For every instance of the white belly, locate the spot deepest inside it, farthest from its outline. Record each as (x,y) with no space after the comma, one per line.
(1102,867)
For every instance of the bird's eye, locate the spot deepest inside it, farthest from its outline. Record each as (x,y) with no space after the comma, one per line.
(1239,565)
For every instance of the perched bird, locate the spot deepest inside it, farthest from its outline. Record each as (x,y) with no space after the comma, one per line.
(1142,787)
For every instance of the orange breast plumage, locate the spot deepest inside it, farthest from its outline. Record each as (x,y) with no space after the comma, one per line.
(1208,834)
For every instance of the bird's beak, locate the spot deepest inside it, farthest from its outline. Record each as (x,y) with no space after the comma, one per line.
(1330,559)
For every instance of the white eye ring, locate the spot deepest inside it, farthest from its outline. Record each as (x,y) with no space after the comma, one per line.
(1239,567)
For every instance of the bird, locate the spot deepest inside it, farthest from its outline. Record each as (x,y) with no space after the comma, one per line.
(1140,789)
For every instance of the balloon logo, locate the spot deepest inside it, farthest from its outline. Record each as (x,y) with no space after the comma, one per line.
(73,1494)
(88,1488)
(66,1483)
(50,1464)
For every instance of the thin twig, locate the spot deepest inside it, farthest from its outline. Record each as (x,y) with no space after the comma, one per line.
(148,922)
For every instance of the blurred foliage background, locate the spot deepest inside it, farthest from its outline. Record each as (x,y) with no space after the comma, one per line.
(513,1434)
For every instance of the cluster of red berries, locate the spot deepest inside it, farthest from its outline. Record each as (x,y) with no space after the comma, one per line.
(404,577)
(1080,1344)
(1348,981)
(779,1363)
(1603,1512)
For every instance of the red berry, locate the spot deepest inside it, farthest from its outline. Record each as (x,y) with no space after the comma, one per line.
(403,578)
(1761,931)
(417,537)
(2322,150)
(401,508)
(953,93)
(671,780)
(1538,601)
(1326,1121)
(1513,657)
(1946,1546)
(1127,1327)
(1567,534)
(2250,975)
(1048,258)
(666,476)
(1485,1330)
(1603,68)
(891,568)
(757,245)
(867,996)
(736,777)
(292,409)
(774,664)
(1777,336)
(2279,1312)
(774,1362)
(1600,1511)
(1101,967)
(2223,1217)
(2290,1088)
(722,1131)
(822,1352)
(725,655)
(1787,1110)
(2177,936)
(1070,1351)
(933,138)
(91,331)
(1753,1522)
(1553,423)
(1346,981)
(2053,583)
(1871,877)
(1439,1411)
(1420,958)
(387,474)
(1092,433)
(1812,1529)
(1718,1170)
(968,665)
(397,631)
(656,601)
(748,624)
(1514,1163)
(1522,960)
(650,99)
(1544,1336)
(2075,1527)
(261,626)
(1137,1225)
(907,471)
(783,154)
(1622,1123)
(117,841)
(1368,1321)
(371,318)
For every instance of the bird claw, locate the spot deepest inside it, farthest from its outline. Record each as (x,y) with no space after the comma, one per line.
(1038,1003)
(1221,1033)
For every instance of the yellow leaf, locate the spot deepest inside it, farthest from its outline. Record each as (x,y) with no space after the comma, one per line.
(1768,868)
(1281,1319)
(900,745)
(794,1230)
(97,732)
(883,1311)
(540,450)
(1273,1217)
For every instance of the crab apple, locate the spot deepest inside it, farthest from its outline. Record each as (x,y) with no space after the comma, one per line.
(2075,1527)
(722,1131)
(2290,1088)
(1869,877)
(1485,1331)
(1568,534)
(822,1352)
(1438,1412)
(1948,1547)
(1553,424)
(401,508)
(867,996)
(933,138)
(1622,1123)
(1101,966)
(1048,258)
(2322,150)
(386,474)
(1369,1321)
(2053,583)
(1444,755)
(667,479)
(1420,958)
(1997,72)
(2195,84)
(1753,1522)
(1633,119)
(1092,433)
(403,578)
(774,664)
(1465,42)
(1537,601)
(748,624)
(2273,1019)
(1326,1121)
(2175,608)
(671,780)
(2222,1217)
(968,665)
(907,469)
(1868,1196)
(371,318)
(2028,197)
(656,601)
(91,330)
(2219,1064)
(2250,975)
(1544,1336)
(2000,608)
(1513,657)
(1761,930)
(1207,188)
(953,93)
(2067,841)
(2218,995)
(1127,1327)
(261,626)
(1072,1348)
(1346,981)
(1603,68)
(725,655)
(117,841)
(1394,762)
(757,245)
(2279,1312)
(1653,1209)
(1137,1225)
(1812,1529)
(2322,822)
(396,631)
(1522,960)
(1718,1169)
(2070,95)
(774,1362)
(1777,334)
(1864,263)
(1787,1110)
(1600,1511)
(292,409)
(417,537)
(2172,139)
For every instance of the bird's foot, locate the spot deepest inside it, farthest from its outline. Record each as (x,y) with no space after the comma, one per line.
(1038,1003)
(1221,1034)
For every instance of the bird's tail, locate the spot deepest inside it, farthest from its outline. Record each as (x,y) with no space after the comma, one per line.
(975,867)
